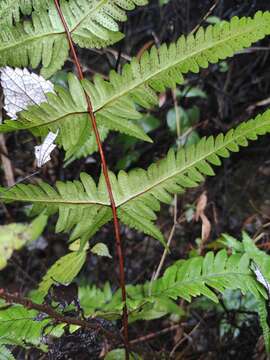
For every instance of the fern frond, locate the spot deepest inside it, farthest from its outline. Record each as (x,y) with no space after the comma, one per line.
(67,111)
(114,102)
(85,207)
(98,25)
(200,275)
(184,279)
(139,192)
(42,40)
(163,68)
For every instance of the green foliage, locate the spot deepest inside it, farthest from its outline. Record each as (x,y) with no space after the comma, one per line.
(185,279)
(64,270)
(114,100)
(84,207)
(15,236)
(42,39)
(101,249)
(19,327)
(67,111)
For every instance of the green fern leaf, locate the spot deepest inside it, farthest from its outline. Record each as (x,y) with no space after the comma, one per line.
(63,270)
(42,40)
(139,192)
(163,68)
(84,207)
(184,279)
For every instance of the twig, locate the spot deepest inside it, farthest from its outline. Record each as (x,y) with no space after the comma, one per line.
(209,12)
(154,335)
(8,172)
(186,336)
(165,252)
(59,318)
(107,180)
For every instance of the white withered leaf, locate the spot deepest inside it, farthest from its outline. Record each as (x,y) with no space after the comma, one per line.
(43,151)
(260,278)
(21,89)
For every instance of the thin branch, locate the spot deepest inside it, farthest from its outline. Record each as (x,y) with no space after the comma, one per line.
(59,318)
(209,12)
(186,336)
(107,180)
(175,210)
(154,334)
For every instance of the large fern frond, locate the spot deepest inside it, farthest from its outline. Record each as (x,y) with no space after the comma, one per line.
(85,207)
(42,40)
(184,279)
(114,101)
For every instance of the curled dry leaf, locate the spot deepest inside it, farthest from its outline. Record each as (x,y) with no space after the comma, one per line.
(260,277)
(43,151)
(21,89)
(206,225)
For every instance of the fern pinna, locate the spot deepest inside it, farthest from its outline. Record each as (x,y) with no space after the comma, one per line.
(39,34)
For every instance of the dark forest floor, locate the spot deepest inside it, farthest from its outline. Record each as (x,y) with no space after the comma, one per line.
(238,197)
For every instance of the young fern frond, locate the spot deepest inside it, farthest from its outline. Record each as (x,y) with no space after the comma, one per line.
(42,40)
(85,207)
(114,100)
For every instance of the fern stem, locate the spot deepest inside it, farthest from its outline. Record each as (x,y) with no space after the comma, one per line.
(107,180)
